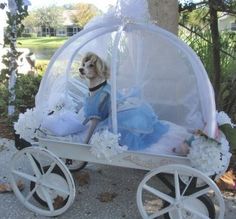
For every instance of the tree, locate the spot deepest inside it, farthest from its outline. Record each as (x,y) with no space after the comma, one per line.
(31,21)
(84,13)
(212,9)
(18,10)
(165,13)
(50,17)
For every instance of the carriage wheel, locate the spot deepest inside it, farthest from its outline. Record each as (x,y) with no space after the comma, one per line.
(55,176)
(48,185)
(75,165)
(154,200)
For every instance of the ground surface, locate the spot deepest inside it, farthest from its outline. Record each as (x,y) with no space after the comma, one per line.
(6,130)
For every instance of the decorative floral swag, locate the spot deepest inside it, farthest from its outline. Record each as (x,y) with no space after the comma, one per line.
(210,156)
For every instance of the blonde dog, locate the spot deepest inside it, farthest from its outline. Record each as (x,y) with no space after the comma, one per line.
(94,69)
(96,72)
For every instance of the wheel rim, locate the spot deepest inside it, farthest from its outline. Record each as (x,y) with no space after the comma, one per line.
(50,187)
(180,204)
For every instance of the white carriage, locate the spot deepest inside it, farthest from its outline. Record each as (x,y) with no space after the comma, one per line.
(168,75)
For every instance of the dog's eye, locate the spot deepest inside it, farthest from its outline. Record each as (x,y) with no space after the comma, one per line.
(91,65)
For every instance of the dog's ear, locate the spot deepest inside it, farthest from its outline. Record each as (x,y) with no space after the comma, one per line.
(89,56)
(107,72)
(102,68)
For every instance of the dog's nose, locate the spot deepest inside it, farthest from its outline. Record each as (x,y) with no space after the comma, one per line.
(81,70)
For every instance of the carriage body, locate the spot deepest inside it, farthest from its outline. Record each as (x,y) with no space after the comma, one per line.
(179,190)
(129,159)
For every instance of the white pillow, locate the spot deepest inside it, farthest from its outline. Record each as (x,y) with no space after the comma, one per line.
(63,123)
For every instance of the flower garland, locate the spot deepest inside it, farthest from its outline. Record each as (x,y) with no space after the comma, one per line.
(208,155)
(27,124)
(106,145)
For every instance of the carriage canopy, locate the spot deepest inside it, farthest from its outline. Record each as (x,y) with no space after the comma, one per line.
(146,62)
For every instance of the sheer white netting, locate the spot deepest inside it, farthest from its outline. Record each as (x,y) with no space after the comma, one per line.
(145,61)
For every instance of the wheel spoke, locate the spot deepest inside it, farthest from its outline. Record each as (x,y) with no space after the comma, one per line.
(34,165)
(187,185)
(159,194)
(50,186)
(161,212)
(179,213)
(50,169)
(199,214)
(193,182)
(47,198)
(177,188)
(25,175)
(31,193)
(199,193)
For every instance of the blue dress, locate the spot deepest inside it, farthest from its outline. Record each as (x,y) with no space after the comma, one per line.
(139,126)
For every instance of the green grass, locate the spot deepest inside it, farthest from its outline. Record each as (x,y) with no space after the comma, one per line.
(43,47)
(41,42)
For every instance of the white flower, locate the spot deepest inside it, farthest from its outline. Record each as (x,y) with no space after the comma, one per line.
(222,118)
(27,124)
(209,156)
(106,145)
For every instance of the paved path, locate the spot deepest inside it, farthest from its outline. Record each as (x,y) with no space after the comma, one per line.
(120,181)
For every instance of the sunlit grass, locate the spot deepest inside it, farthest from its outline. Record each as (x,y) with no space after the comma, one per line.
(41,42)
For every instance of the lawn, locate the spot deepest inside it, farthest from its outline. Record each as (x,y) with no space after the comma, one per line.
(41,42)
(42,47)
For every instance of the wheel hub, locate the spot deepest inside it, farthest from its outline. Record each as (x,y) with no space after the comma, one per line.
(178,204)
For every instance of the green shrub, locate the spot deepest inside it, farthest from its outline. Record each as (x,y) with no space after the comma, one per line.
(26,88)
(203,48)
(3,98)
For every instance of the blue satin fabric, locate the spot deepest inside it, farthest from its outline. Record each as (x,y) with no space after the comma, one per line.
(139,126)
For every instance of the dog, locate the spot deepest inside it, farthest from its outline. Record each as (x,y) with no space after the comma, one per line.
(96,72)
(94,69)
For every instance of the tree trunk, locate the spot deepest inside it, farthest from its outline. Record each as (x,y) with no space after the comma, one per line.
(2,18)
(165,14)
(12,69)
(215,49)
